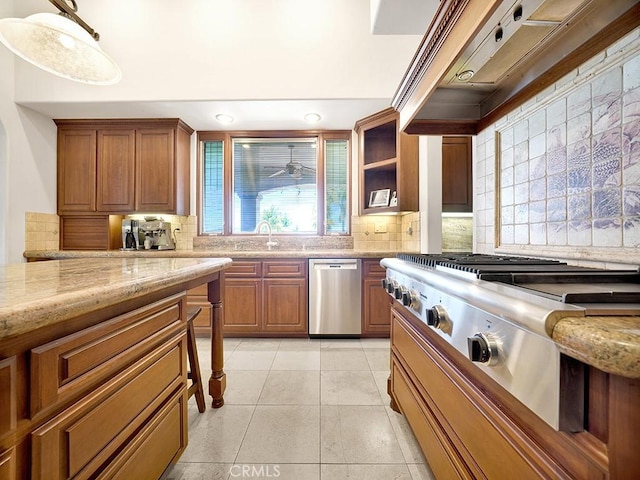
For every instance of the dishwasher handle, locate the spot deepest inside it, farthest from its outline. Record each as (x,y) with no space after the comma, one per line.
(345,265)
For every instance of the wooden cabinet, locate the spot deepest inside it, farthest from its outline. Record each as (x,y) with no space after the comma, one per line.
(376,304)
(388,161)
(123,166)
(8,395)
(266,297)
(8,465)
(97,398)
(497,437)
(198,297)
(90,232)
(457,189)
(116,168)
(76,170)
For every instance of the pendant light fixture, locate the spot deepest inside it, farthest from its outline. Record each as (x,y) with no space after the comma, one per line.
(62,44)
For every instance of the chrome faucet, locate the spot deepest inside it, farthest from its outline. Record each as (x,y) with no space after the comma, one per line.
(270,243)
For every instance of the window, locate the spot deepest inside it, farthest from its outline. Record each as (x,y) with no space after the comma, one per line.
(299,184)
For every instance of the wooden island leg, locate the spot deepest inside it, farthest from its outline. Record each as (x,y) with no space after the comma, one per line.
(218,379)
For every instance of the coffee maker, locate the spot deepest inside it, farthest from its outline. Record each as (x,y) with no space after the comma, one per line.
(158,233)
(130,234)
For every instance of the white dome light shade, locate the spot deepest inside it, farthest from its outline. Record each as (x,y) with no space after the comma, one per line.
(312,117)
(59,46)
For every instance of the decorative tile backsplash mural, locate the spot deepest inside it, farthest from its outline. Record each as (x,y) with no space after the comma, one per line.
(568,163)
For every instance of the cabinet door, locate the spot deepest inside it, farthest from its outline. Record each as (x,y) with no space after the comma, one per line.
(376,304)
(376,309)
(285,305)
(456,174)
(76,170)
(8,395)
(242,305)
(155,170)
(116,170)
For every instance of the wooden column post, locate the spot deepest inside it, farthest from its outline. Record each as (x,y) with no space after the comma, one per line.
(218,379)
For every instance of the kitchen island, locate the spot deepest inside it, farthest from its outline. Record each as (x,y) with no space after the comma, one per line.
(93,364)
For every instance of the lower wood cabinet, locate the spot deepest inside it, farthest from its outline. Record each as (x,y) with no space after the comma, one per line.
(8,465)
(469,427)
(376,305)
(266,297)
(197,297)
(103,400)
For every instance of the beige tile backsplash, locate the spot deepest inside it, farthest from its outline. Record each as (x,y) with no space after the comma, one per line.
(41,231)
(394,233)
(386,232)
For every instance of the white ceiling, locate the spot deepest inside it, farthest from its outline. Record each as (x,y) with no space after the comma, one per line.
(264,62)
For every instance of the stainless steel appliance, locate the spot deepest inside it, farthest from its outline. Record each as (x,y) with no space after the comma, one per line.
(500,312)
(334,297)
(158,233)
(130,234)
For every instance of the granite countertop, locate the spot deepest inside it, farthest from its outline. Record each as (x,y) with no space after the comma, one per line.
(611,344)
(39,294)
(307,253)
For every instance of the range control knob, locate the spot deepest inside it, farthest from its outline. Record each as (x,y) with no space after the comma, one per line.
(410,299)
(398,291)
(385,282)
(484,349)
(391,285)
(437,317)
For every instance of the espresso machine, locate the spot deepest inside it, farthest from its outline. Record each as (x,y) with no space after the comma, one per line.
(156,235)
(130,235)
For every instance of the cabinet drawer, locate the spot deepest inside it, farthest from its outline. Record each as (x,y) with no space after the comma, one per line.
(199,291)
(371,267)
(244,269)
(285,268)
(8,465)
(80,439)
(156,446)
(8,392)
(426,430)
(482,443)
(68,366)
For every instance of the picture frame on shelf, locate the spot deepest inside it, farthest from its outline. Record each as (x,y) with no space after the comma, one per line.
(393,202)
(379,198)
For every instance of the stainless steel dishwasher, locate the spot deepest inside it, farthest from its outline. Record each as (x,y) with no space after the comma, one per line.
(334,297)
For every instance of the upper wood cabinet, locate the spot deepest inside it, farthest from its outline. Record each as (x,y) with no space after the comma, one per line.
(115,171)
(123,166)
(388,160)
(457,190)
(76,170)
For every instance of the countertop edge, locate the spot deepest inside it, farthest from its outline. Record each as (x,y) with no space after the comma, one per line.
(330,253)
(611,344)
(24,318)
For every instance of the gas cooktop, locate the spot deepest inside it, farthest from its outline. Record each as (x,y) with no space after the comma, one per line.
(550,278)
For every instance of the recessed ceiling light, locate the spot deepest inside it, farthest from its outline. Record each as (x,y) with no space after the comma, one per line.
(224,118)
(465,76)
(312,117)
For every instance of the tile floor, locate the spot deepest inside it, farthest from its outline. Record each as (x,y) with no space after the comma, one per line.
(300,409)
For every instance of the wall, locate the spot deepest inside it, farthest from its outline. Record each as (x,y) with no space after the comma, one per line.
(27,161)
(565,167)
(311,50)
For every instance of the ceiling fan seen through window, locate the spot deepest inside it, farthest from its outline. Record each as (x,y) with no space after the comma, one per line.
(293,169)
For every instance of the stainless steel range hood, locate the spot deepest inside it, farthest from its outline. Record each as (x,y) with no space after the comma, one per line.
(482,58)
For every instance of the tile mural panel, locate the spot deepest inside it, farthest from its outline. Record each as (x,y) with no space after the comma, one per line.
(570,171)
